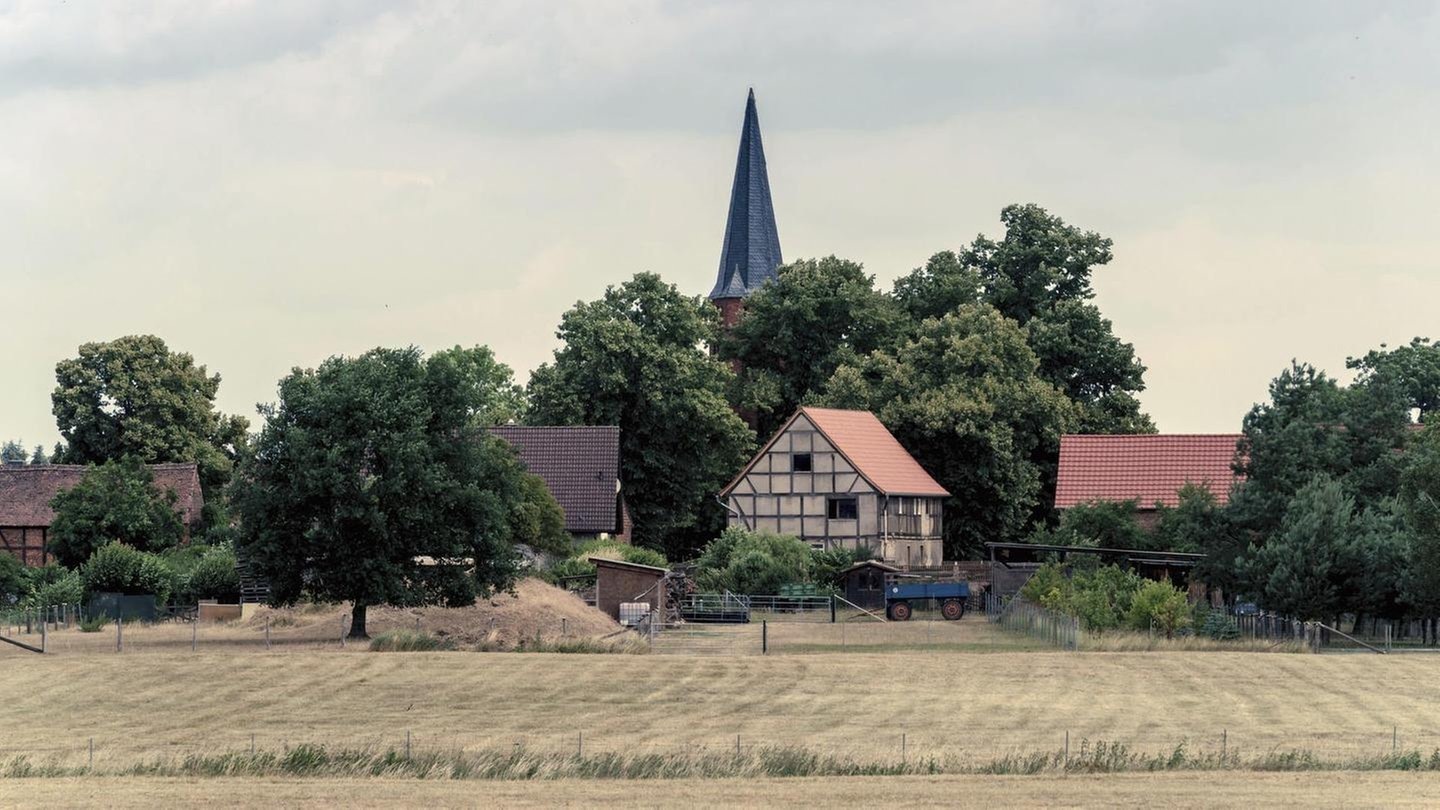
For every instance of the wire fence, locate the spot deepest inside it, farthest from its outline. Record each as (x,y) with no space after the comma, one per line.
(1021,616)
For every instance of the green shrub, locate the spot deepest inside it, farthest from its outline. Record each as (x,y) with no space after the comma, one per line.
(408,641)
(14,583)
(94,624)
(1217,624)
(826,565)
(641,555)
(748,562)
(580,565)
(1161,605)
(118,568)
(58,586)
(215,577)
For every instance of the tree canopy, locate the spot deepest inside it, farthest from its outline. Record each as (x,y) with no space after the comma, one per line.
(371,483)
(134,397)
(115,501)
(799,328)
(963,394)
(635,358)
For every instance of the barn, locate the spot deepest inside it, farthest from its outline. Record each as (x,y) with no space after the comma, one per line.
(27,490)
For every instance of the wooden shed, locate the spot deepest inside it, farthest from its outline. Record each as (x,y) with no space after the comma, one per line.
(863,584)
(618,582)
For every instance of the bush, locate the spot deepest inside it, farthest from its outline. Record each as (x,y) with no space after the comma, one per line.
(14,583)
(826,565)
(214,577)
(748,562)
(94,624)
(57,586)
(114,501)
(408,641)
(1218,625)
(580,565)
(118,568)
(1161,605)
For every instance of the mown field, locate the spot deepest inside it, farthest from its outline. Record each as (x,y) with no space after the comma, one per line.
(1127,790)
(860,704)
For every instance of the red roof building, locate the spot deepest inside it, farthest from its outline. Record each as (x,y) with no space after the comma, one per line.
(1147,469)
(839,479)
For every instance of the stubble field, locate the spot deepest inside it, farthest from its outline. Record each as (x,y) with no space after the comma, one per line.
(872,707)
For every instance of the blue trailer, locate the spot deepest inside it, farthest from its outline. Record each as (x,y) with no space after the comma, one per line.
(951,596)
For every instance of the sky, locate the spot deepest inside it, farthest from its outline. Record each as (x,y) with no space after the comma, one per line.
(265,185)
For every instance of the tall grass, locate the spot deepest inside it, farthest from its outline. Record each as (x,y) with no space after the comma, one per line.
(1130,641)
(408,641)
(1100,757)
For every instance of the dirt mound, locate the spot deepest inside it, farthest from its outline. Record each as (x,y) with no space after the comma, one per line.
(536,609)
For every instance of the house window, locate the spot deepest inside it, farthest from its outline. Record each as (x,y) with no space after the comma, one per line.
(842,509)
(800,462)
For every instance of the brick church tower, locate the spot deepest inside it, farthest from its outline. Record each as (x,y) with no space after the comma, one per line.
(751,252)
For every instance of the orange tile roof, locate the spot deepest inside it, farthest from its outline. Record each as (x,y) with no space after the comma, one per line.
(874,452)
(1149,469)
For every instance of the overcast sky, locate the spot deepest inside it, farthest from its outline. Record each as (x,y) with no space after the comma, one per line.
(267,184)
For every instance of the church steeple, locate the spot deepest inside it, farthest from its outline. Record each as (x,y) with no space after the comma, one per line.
(751,251)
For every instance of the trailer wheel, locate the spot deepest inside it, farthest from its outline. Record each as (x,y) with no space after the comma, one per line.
(952,609)
(900,611)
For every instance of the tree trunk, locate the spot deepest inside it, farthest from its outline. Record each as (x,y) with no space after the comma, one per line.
(357,622)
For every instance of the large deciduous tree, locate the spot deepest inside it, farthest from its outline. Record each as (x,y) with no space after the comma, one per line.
(963,394)
(114,501)
(133,397)
(635,359)
(1420,501)
(372,483)
(799,328)
(1038,275)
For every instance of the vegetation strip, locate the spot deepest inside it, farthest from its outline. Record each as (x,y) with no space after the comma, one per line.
(1099,757)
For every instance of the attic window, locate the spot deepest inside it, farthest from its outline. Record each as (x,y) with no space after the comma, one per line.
(841,509)
(801,462)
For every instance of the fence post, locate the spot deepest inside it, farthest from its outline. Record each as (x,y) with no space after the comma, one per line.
(564,626)
(119,633)
(832,608)
(764,636)
(92,753)
(1394,739)
(267,632)
(1224,745)
(194,632)
(44,637)
(902,748)
(407,743)
(580,745)
(1067,749)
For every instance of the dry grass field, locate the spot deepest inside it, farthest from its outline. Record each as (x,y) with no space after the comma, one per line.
(1208,790)
(857,704)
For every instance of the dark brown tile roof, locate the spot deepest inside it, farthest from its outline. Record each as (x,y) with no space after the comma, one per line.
(1149,469)
(580,466)
(26,490)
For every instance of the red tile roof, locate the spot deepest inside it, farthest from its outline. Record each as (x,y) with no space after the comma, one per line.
(26,490)
(1148,469)
(874,451)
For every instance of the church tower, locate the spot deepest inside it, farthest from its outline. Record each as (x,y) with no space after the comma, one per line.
(751,251)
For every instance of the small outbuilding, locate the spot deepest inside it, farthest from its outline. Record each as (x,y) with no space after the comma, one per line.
(863,584)
(625,583)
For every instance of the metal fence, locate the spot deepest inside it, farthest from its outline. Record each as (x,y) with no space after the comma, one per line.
(1021,616)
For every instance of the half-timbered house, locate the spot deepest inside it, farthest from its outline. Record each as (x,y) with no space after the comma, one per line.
(839,479)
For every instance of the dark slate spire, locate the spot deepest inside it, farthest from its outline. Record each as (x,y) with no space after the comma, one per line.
(752,244)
